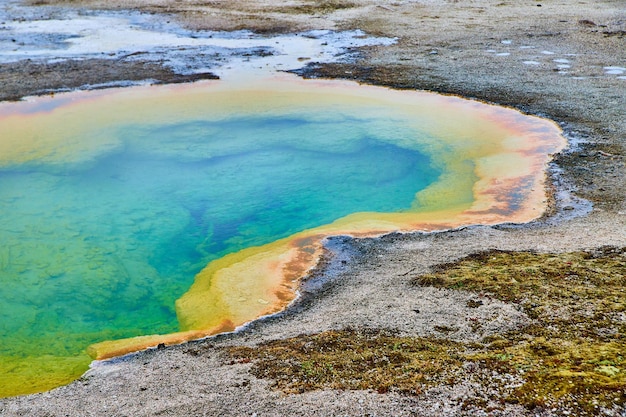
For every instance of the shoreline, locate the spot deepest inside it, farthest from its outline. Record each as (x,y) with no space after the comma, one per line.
(277,267)
(197,370)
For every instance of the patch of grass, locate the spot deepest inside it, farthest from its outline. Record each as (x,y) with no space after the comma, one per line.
(573,355)
(353,359)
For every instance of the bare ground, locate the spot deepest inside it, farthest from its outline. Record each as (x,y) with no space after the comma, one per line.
(475,49)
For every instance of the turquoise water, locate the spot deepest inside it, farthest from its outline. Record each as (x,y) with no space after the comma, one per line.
(101,248)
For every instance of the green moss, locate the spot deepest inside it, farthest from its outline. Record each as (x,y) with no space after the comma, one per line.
(572,356)
(354,360)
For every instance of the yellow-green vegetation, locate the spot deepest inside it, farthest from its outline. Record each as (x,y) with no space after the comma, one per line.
(573,355)
(353,359)
(575,350)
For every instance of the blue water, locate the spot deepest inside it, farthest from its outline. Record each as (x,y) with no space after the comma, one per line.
(100,249)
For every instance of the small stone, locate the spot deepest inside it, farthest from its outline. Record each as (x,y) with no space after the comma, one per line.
(474,303)
(586,22)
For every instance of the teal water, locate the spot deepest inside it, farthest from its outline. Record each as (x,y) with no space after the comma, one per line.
(101,248)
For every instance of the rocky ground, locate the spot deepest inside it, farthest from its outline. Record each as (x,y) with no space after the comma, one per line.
(559,59)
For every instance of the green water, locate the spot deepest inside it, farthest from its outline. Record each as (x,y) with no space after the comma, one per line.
(100,248)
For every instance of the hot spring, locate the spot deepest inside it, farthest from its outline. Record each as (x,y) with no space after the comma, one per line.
(146,215)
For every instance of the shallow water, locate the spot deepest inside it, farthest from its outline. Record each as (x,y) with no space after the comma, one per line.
(112,202)
(63,33)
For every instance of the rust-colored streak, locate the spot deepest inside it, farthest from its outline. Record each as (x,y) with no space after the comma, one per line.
(113,348)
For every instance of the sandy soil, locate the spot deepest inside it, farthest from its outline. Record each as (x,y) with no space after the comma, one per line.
(547,58)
